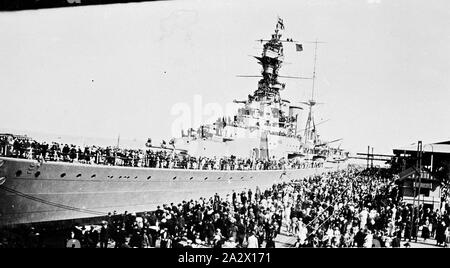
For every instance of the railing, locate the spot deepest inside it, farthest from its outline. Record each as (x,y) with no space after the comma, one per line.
(153,161)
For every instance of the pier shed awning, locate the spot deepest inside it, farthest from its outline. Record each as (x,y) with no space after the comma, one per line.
(436,148)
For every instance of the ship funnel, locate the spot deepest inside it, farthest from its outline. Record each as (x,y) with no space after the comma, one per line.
(294,110)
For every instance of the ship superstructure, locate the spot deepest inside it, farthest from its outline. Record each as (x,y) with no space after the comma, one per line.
(266,126)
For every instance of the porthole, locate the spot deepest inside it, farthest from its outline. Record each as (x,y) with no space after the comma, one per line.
(79,175)
(174,178)
(18,173)
(93,176)
(206,178)
(37,174)
(63,175)
(191,178)
(149,177)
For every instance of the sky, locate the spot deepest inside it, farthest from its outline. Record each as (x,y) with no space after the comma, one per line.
(125,69)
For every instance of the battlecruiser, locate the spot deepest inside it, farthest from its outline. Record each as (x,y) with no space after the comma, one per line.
(266,127)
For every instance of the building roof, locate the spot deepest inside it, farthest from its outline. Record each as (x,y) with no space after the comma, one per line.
(443,142)
(438,147)
(412,173)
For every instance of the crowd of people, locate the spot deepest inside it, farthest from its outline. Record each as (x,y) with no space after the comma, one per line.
(347,208)
(154,158)
(339,209)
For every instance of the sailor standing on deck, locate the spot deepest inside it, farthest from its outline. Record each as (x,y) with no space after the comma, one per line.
(104,235)
(243,197)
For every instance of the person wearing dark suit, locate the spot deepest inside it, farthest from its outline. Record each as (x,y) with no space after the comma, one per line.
(104,235)
(440,233)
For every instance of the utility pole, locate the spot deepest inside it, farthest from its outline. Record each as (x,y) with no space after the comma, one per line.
(404,160)
(368,155)
(371,164)
(420,186)
(417,179)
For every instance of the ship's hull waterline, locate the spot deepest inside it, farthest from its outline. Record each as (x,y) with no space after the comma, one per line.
(52,191)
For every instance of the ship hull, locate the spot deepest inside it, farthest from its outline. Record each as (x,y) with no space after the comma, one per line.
(52,191)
